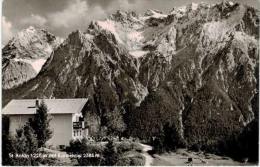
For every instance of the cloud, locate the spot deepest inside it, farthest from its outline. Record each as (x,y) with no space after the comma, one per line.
(7,30)
(76,14)
(35,20)
(129,5)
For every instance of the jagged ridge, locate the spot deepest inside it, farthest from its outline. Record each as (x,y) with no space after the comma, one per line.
(198,62)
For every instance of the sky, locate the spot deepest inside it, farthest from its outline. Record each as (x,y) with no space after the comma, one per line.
(61,17)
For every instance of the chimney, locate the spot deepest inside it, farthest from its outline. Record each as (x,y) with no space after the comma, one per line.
(37,103)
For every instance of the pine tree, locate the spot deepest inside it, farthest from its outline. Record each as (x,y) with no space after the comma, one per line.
(110,155)
(26,143)
(40,124)
(5,125)
(31,141)
(172,138)
(158,143)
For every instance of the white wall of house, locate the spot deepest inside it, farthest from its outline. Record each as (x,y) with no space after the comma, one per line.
(61,125)
(17,122)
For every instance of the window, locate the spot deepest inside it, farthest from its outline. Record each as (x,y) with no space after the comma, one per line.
(62,147)
(77,133)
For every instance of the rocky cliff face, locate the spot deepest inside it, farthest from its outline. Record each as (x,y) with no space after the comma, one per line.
(195,66)
(25,54)
(211,81)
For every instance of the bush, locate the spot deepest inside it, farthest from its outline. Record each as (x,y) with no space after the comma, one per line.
(82,148)
(137,147)
(124,161)
(126,146)
(136,160)
(124,153)
(25,142)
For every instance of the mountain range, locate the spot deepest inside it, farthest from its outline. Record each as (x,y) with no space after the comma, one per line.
(195,66)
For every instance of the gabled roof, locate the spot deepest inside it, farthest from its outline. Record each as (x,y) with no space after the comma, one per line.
(55,106)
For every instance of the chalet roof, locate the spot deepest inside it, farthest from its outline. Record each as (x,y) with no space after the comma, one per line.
(55,106)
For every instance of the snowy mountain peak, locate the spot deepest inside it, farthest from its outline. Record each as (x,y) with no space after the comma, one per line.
(32,39)
(30,29)
(30,47)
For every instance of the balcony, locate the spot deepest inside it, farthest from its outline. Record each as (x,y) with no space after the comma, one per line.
(77,125)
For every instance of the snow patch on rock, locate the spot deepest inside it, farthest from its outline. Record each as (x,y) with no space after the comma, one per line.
(243,42)
(182,9)
(109,25)
(153,14)
(135,36)
(138,53)
(194,6)
(134,40)
(214,30)
(36,64)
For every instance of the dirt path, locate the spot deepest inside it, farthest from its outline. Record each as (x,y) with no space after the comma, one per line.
(148,157)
